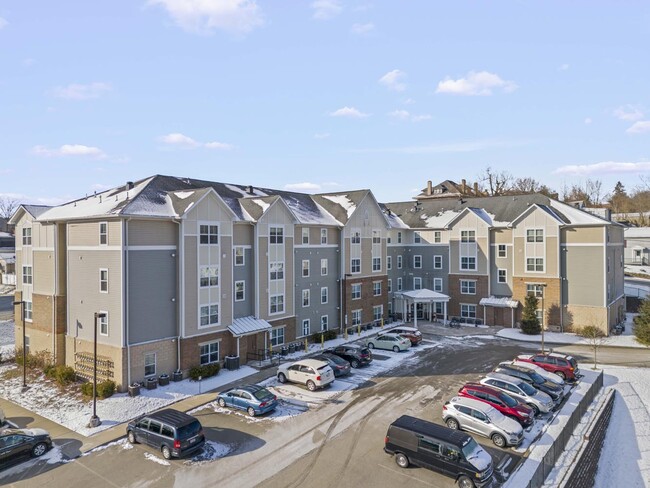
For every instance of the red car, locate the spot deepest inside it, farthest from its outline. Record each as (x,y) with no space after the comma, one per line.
(411,333)
(566,367)
(500,400)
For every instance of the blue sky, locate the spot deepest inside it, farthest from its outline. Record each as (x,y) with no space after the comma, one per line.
(320,95)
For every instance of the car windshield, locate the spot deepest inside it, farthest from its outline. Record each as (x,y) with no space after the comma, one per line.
(536,378)
(573,362)
(508,400)
(335,359)
(262,394)
(471,449)
(189,430)
(528,390)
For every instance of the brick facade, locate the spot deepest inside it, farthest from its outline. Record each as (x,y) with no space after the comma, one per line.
(367,300)
(456,297)
(551,297)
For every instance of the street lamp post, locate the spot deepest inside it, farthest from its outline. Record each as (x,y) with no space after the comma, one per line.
(94,420)
(543,290)
(22,317)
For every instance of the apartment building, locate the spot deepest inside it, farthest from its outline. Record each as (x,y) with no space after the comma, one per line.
(184,272)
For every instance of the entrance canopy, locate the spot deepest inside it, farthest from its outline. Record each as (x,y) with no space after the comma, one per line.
(245,326)
(499,302)
(423,296)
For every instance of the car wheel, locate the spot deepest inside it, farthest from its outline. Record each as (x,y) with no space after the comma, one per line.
(561,375)
(311,386)
(452,424)
(282,378)
(221,402)
(354,363)
(167,454)
(499,440)
(535,409)
(131,437)
(39,449)
(395,349)
(401,460)
(371,345)
(465,482)
(251,412)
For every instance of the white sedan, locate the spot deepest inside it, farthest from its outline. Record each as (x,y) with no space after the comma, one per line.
(390,342)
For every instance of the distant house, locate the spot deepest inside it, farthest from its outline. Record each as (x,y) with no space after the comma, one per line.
(637,245)
(449,189)
(7,259)
(5,226)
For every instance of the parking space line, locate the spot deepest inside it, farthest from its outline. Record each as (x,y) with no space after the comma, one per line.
(404,474)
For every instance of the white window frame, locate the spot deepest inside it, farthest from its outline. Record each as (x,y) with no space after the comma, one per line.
(210,315)
(305,235)
(467,267)
(237,251)
(353,294)
(399,284)
(276,334)
(306,327)
(242,291)
(468,287)
(502,275)
(437,237)
(417,283)
(324,325)
(535,235)
(305,269)
(417,261)
(437,261)
(389,262)
(535,288)
(27,236)
(376,264)
(324,295)
(103,235)
(147,364)
(324,266)
(102,323)
(276,234)
(209,235)
(210,352)
(399,261)
(356,317)
(376,288)
(355,237)
(101,270)
(535,265)
(437,284)
(468,310)
(28,274)
(306,298)
(467,236)
(277,308)
(29,310)
(355,263)
(212,276)
(390,286)
(417,237)
(502,251)
(377,312)
(323,236)
(278,271)
(399,237)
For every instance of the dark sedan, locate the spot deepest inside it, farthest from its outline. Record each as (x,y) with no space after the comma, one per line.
(340,366)
(16,443)
(553,390)
(356,355)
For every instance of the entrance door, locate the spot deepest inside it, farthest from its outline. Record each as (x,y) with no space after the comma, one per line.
(420,308)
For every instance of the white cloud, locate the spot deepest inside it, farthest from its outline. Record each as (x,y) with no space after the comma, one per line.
(604,167)
(450,147)
(362,29)
(420,118)
(564,67)
(69,150)
(476,83)
(348,112)
(321,135)
(3,23)
(406,115)
(409,101)
(639,127)
(181,140)
(326,9)
(628,112)
(304,187)
(76,91)
(393,80)
(206,16)
(588,121)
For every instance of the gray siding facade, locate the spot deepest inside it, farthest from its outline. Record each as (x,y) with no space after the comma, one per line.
(245,273)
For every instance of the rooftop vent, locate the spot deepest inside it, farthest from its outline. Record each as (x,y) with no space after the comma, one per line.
(129,185)
(249,190)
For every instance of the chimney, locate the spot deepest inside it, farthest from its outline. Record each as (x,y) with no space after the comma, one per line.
(129,185)
(463,186)
(429,188)
(476,192)
(249,189)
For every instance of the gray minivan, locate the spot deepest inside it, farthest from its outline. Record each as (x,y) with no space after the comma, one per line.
(436,447)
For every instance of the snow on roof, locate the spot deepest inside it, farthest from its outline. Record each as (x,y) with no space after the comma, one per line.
(183,194)
(343,201)
(262,204)
(307,215)
(242,190)
(576,216)
(440,220)
(499,302)
(638,232)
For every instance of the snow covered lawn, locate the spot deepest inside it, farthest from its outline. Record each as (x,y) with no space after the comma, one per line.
(7,339)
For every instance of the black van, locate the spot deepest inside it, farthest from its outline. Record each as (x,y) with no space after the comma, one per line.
(172,432)
(436,447)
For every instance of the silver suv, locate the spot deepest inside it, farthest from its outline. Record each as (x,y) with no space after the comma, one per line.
(483,419)
(520,390)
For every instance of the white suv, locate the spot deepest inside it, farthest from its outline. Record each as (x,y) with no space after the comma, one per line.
(310,372)
(520,390)
(483,419)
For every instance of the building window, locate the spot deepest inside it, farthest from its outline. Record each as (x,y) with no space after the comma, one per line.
(240,259)
(209,353)
(324,295)
(534,290)
(323,236)
(355,265)
(276,304)
(240,291)
(540,316)
(356,237)
(356,317)
(439,308)
(467,236)
(503,251)
(417,262)
(468,287)
(102,323)
(103,233)
(467,310)
(305,327)
(305,235)
(306,295)
(437,236)
(376,264)
(356,291)
(417,237)
(323,267)
(468,263)
(535,265)
(417,283)
(399,284)
(276,235)
(534,235)
(28,310)
(389,262)
(209,315)
(277,336)
(276,271)
(437,262)
(399,262)
(150,364)
(377,312)
(209,276)
(608,264)
(503,276)
(209,234)
(305,268)
(376,237)
(390,286)
(27,275)
(376,288)
(399,237)
(27,236)
(437,284)
(103,281)
(324,323)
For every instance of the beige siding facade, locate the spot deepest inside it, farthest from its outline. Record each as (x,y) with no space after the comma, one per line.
(152,233)
(548,249)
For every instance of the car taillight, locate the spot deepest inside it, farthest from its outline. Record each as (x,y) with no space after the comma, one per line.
(570,369)
(386,440)
(444,407)
(317,378)
(263,404)
(177,444)
(275,398)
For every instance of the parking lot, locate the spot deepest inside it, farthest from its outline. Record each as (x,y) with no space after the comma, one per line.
(328,437)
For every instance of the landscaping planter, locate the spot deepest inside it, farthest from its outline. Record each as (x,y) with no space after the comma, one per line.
(177,376)
(134,389)
(151,383)
(163,380)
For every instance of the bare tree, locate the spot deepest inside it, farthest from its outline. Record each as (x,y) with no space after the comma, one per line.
(595,338)
(594,188)
(7,207)
(495,183)
(522,186)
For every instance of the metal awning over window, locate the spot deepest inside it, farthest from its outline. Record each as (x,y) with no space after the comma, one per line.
(499,302)
(247,326)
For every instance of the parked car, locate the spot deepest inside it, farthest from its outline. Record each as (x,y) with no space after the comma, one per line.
(500,400)
(356,355)
(254,399)
(566,367)
(3,419)
(18,443)
(411,333)
(518,389)
(340,366)
(310,372)
(540,371)
(476,416)
(440,449)
(390,342)
(171,432)
(553,390)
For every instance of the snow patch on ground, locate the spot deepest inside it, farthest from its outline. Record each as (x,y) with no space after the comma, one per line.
(156,459)
(123,443)
(211,452)
(7,339)
(283,412)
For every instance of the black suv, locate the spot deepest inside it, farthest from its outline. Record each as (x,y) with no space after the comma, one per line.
(17,443)
(356,355)
(555,391)
(171,432)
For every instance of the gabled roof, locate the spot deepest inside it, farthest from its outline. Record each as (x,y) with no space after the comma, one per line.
(341,205)
(34,210)
(636,232)
(256,207)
